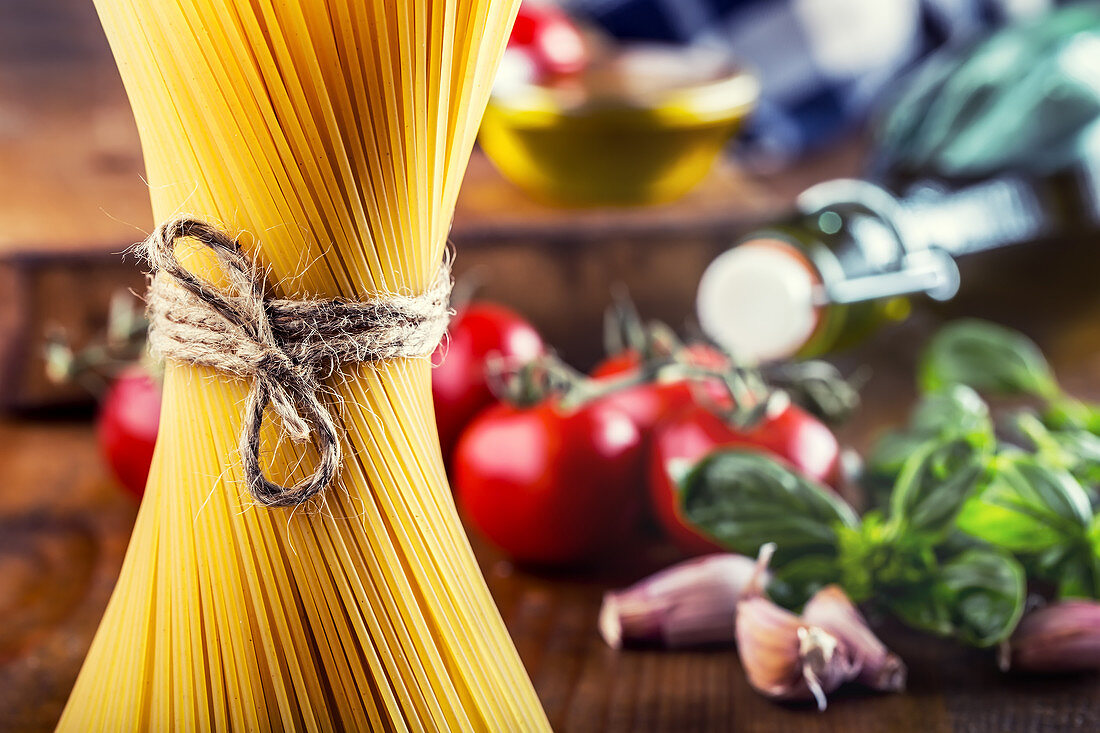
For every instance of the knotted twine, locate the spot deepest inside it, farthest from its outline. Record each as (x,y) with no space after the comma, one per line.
(287,348)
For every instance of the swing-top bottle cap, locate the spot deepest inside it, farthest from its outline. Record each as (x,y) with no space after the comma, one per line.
(758,300)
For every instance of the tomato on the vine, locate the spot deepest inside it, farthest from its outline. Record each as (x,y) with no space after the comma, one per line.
(478,333)
(126,428)
(787,433)
(549,39)
(629,361)
(549,485)
(650,402)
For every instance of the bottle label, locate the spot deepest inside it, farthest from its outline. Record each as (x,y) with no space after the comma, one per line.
(1089,179)
(985,216)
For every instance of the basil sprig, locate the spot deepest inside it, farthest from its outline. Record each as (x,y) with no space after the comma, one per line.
(1035,499)
(744,499)
(990,358)
(964,516)
(998,361)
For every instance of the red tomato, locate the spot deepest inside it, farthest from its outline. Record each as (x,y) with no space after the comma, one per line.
(629,360)
(793,436)
(647,404)
(549,38)
(705,356)
(478,332)
(127,427)
(550,487)
(617,365)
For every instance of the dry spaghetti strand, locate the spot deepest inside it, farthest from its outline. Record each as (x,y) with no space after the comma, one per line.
(332,135)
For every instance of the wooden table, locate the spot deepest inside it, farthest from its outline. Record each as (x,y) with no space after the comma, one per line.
(63,529)
(64,525)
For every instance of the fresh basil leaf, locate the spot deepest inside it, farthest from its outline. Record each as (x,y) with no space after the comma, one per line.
(1078,577)
(876,557)
(1047,562)
(933,485)
(1080,453)
(797,580)
(1077,572)
(1051,488)
(1072,448)
(986,590)
(1094,535)
(925,606)
(956,410)
(891,452)
(856,546)
(1067,412)
(1006,525)
(1028,507)
(987,357)
(976,597)
(954,413)
(957,542)
(743,499)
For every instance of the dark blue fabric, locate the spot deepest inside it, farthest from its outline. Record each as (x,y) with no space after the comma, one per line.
(641,20)
(805,103)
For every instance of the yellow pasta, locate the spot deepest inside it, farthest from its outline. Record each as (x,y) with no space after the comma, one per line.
(333,134)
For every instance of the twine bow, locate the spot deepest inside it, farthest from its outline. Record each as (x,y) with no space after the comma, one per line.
(286,347)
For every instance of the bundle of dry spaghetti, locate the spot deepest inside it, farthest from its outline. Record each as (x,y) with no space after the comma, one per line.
(331,136)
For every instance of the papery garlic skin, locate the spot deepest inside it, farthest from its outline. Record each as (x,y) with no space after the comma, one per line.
(689,604)
(785,658)
(1061,637)
(832,610)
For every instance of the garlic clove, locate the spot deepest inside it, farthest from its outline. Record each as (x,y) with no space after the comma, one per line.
(826,662)
(787,659)
(628,618)
(1061,637)
(832,610)
(689,604)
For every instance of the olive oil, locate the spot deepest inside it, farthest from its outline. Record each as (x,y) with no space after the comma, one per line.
(617,136)
(988,146)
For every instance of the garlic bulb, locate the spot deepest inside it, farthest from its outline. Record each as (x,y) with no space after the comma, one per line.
(1061,637)
(689,604)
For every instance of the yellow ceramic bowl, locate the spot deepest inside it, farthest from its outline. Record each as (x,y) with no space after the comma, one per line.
(612,152)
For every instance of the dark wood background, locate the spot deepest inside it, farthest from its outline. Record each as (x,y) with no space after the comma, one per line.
(70,186)
(72,198)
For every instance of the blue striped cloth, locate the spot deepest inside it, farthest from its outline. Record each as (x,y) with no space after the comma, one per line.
(821,63)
